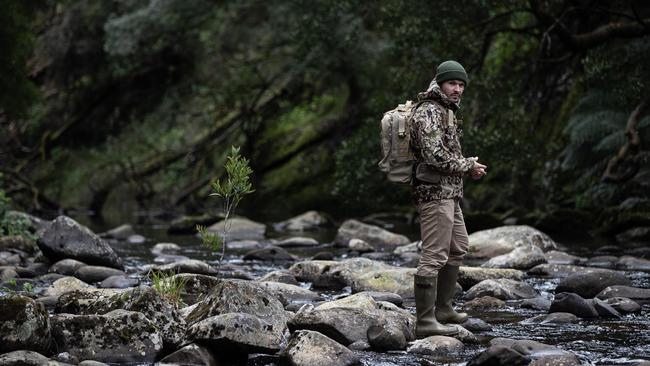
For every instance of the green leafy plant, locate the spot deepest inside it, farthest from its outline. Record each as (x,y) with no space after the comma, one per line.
(169,286)
(11,225)
(28,287)
(231,190)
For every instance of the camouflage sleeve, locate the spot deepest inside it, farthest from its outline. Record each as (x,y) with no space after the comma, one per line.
(428,133)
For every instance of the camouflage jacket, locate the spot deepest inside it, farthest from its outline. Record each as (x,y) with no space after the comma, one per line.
(436,142)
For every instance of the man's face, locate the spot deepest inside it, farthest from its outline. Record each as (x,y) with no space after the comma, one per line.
(453,89)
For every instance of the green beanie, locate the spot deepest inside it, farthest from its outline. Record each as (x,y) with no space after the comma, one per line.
(450,70)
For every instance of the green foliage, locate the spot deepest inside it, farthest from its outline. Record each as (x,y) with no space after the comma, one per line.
(11,225)
(169,286)
(28,287)
(210,239)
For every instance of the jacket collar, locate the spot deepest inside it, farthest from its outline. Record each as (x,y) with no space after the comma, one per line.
(435,93)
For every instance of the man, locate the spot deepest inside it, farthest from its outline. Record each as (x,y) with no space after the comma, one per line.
(435,140)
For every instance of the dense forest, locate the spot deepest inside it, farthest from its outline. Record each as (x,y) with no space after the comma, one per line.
(134,104)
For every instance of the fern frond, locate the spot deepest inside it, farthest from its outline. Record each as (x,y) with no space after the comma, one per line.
(611,143)
(589,128)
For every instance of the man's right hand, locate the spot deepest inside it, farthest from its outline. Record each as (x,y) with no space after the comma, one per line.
(478,171)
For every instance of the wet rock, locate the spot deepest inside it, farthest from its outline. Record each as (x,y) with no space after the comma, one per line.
(502,240)
(380,239)
(360,246)
(119,281)
(476,325)
(119,336)
(186,224)
(66,358)
(410,260)
(195,286)
(558,359)
(604,309)
(390,297)
(10,259)
(18,242)
(630,263)
(310,220)
(589,284)
(558,257)
(7,274)
(240,228)
(186,266)
(136,239)
(165,248)
(436,346)
(169,258)
(562,270)
(572,303)
(359,346)
(383,338)
(24,325)
(121,232)
(503,289)
(66,238)
(190,355)
(361,300)
(232,271)
(523,257)
(244,245)
(92,363)
(288,294)
(537,303)
(638,295)
(623,304)
(282,275)
(66,266)
(26,358)
(323,256)
(65,284)
(92,274)
(552,318)
(499,356)
(309,348)
(398,281)
(269,254)
(376,256)
(484,302)
(470,276)
(297,242)
(540,353)
(603,261)
(414,247)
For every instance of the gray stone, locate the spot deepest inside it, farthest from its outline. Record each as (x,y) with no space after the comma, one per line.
(552,318)
(499,356)
(270,254)
(65,284)
(361,300)
(484,302)
(186,266)
(309,348)
(639,295)
(378,238)
(562,270)
(623,304)
(503,289)
(195,286)
(360,246)
(26,358)
(603,261)
(24,325)
(288,294)
(169,258)
(436,346)
(66,266)
(92,274)
(310,220)
(312,270)
(493,242)
(190,355)
(244,245)
(165,248)
(117,337)
(589,284)
(470,276)
(537,303)
(414,247)
(18,242)
(630,263)
(397,280)
(522,257)
(92,363)
(297,241)
(281,275)
(136,239)
(476,325)
(239,228)
(604,309)
(385,296)
(119,281)
(558,257)
(121,232)
(572,303)
(386,338)
(540,353)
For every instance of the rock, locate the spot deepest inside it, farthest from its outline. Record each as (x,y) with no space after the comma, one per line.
(540,353)
(17,242)
(589,284)
(195,286)
(310,220)
(603,261)
(360,246)
(499,356)
(470,276)
(501,240)
(310,271)
(66,358)
(229,270)
(190,355)
(323,256)
(169,258)
(523,257)
(119,336)
(436,346)
(26,358)
(65,238)
(270,254)
(604,309)
(537,303)
(639,295)
(398,281)
(186,224)
(414,247)
(24,325)
(562,270)
(92,274)
(288,294)
(119,281)
(390,297)
(65,284)
(240,228)
(623,304)
(92,363)
(630,263)
(558,257)
(552,318)
(136,239)
(476,325)
(165,248)
(484,302)
(7,274)
(281,275)
(558,359)
(382,338)
(361,300)
(244,245)
(376,256)
(186,266)
(572,303)
(66,266)
(503,289)
(297,242)
(121,232)
(309,348)
(378,238)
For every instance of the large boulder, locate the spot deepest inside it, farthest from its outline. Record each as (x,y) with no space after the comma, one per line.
(311,270)
(309,348)
(239,228)
(349,270)
(559,257)
(540,353)
(119,336)
(66,238)
(470,276)
(523,257)
(436,346)
(397,280)
(589,284)
(503,289)
(290,294)
(24,325)
(566,302)
(309,220)
(380,239)
(638,295)
(502,240)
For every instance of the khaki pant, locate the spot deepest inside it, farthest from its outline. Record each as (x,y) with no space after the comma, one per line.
(444,237)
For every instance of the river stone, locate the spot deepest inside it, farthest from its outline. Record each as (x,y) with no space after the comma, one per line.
(92,274)
(186,266)
(344,325)
(190,355)
(27,358)
(436,346)
(165,248)
(136,239)
(623,304)
(288,294)
(552,318)
(470,276)
(630,263)
(414,247)
(66,266)
(604,309)
(119,336)
(379,296)
(309,348)
(92,363)
(572,303)
(537,303)
(558,257)
(244,245)
(503,289)
(315,271)
(239,228)
(280,275)
(398,281)
(589,284)
(310,220)
(502,240)
(562,270)
(24,324)
(66,238)
(484,302)
(361,300)
(541,353)
(195,286)
(271,253)
(378,238)
(476,325)
(603,261)
(121,232)
(119,281)
(169,258)
(17,242)
(639,295)
(232,271)
(360,246)
(499,356)
(297,241)
(65,284)
(523,257)
(386,338)
(186,224)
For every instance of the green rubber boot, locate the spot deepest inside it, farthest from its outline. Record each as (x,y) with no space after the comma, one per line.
(445,312)
(425,304)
